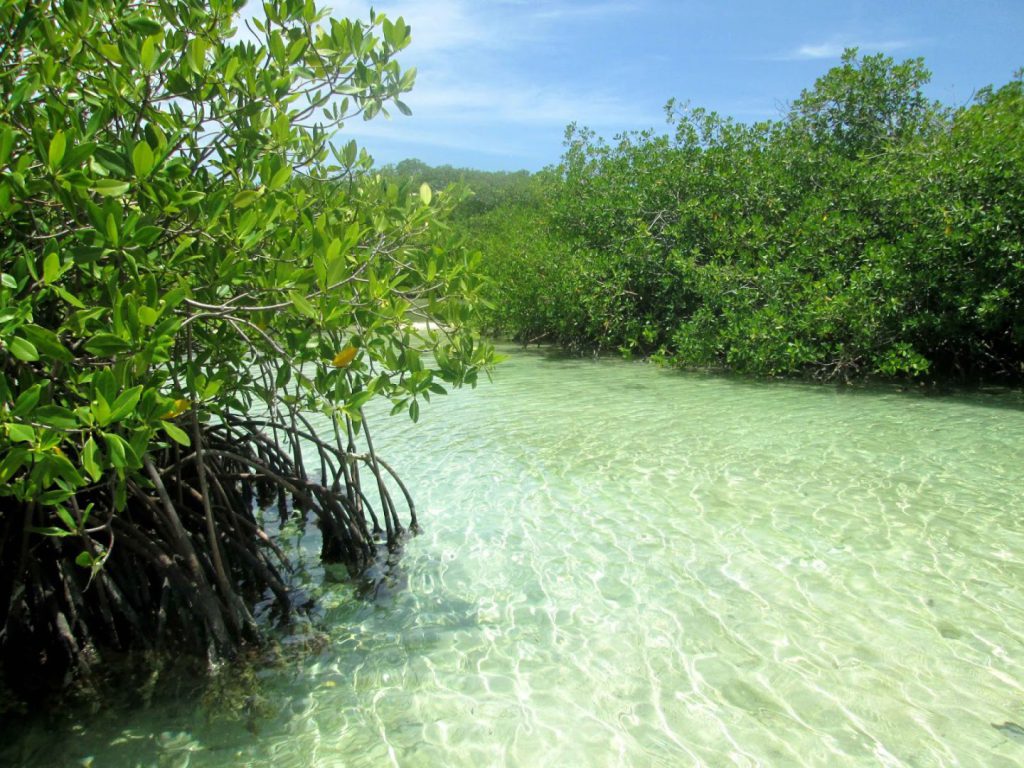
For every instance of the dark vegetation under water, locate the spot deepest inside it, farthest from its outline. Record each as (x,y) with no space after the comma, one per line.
(868,231)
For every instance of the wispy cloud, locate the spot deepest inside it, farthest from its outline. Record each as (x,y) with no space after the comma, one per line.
(516,102)
(458,47)
(458,26)
(833,49)
(438,26)
(479,87)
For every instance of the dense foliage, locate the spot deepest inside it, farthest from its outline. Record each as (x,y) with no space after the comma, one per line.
(188,269)
(870,231)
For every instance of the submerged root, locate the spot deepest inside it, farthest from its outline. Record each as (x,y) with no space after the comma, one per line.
(177,554)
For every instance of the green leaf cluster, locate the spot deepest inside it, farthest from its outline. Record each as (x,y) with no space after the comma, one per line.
(182,236)
(869,231)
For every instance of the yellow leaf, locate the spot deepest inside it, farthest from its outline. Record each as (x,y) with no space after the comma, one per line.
(344,357)
(180,406)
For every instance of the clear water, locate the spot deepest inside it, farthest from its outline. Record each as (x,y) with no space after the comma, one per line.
(625,566)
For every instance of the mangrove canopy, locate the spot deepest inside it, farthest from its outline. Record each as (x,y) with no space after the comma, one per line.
(191,265)
(868,231)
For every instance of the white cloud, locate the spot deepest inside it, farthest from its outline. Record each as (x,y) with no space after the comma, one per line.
(457,48)
(833,49)
(438,26)
(517,102)
(471,91)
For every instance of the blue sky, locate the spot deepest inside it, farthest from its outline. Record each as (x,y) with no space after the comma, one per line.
(498,80)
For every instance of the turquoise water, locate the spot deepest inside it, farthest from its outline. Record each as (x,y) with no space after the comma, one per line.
(626,566)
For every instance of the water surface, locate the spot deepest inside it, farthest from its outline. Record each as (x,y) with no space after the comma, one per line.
(626,566)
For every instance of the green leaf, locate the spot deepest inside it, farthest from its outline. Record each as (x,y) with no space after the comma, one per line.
(27,401)
(143,24)
(333,249)
(148,316)
(231,69)
(6,144)
(296,49)
(105,384)
(148,53)
(113,232)
(349,152)
(118,449)
(103,344)
(111,161)
(125,403)
(66,518)
(91,458)
(176,433)
(69,298)
(110,187)
(302,304)
(54,497)
(100,408)
(111,51)
(245,198)
(183,245)
(51,267)
(85,560)
(280,178)
(58,144)
(336,266)
(51,531)
(197,55)
(425,194)
(8,281)
(15,459)
(47,343)
(142,159)
(21,433)
(23,349)
(320,269)
(147,235)
(23,90)
(276,44)
(55,416)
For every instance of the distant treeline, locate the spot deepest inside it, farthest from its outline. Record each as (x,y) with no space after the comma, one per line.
(868,231)
(484,190)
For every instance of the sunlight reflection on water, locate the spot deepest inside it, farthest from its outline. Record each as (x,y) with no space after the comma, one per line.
(628,566)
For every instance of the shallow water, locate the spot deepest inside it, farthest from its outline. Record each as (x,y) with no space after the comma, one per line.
(626,566)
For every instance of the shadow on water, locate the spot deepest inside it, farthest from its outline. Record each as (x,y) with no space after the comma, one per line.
(984,395)
(980,395)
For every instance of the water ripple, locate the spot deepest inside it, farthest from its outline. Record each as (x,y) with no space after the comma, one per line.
(625,566)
